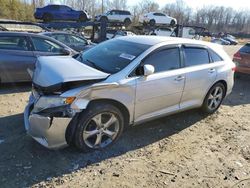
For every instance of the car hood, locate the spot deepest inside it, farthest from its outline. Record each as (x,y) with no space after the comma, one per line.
(56,70)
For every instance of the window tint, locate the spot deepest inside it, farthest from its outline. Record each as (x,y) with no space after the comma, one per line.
(164,60)
(245,49)
(43,45)
(214,56)
(14,43)
(54,7)
(60,37)
(76,40)
(195,56)
(159,14)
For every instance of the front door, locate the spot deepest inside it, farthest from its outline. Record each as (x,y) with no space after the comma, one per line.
(160,93)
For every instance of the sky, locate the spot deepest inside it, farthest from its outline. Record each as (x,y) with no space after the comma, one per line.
(236,4)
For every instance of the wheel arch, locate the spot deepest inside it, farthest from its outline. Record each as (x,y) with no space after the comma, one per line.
(117,104)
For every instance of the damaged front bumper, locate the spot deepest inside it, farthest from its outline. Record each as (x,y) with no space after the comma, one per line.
(48,131)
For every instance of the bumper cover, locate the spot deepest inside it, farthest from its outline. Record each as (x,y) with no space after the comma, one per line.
(49,132)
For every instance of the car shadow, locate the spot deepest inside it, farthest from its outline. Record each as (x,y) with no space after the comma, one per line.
(24,162)
(241,91)
(9,88)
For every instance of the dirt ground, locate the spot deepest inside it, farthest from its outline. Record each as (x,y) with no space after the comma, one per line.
(182,150)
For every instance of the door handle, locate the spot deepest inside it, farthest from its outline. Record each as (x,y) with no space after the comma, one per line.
(179,78)
(211,71)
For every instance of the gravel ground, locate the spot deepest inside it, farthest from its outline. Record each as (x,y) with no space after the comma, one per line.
(182,150)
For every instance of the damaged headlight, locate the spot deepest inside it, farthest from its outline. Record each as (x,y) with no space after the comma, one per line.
(46,102)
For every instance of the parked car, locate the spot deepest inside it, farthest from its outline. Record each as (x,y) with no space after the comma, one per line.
(220,41)
(89,100)
(230,39)
(116,16)
(242,59)
(112,33)
(60,12)
(166,32)
(19,52)
(76,42)
(156,18)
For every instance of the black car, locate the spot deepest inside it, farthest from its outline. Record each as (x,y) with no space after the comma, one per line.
(74,41)
(19,52)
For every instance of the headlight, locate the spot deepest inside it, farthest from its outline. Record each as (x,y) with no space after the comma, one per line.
(45,102)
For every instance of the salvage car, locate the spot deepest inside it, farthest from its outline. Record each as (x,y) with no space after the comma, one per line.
(157,18)
(60,12)
(242,59)
(76,42)
(88,101)
(116,16)
(19,52)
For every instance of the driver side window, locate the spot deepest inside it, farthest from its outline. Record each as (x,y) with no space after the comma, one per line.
(164,60)
(44,45)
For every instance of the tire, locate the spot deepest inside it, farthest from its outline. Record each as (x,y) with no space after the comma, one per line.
(47,17)
(172,23)
(214,98)
(154,34)
(103,19)
(152,22)
(127,22)
(98,135)
(82,18)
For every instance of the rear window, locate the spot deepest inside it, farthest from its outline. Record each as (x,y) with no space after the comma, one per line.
(245,49)
(14,43)
(196,56)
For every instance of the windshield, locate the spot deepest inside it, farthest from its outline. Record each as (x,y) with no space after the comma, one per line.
(112,56)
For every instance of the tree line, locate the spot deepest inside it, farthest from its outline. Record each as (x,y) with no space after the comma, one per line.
(214,18)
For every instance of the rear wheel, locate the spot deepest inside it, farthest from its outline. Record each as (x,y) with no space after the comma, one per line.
(99,126)
(214,98)
(82,18)
(152,22)
(47,17)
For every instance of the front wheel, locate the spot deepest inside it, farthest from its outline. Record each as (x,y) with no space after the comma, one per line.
(98,127)
(214,98)
(127,22)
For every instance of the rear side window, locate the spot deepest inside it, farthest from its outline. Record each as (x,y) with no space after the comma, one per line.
(214,56)
(164,60)
(14,43)
(195,56)
(245,49)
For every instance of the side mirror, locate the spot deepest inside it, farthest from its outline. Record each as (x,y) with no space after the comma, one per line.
(148,69)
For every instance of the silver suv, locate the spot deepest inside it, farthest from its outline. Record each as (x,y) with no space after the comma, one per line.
(129,80)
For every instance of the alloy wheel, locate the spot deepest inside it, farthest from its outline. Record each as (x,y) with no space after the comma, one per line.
(101,130)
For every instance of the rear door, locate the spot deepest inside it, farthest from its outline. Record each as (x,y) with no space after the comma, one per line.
(16,58)
(200,75)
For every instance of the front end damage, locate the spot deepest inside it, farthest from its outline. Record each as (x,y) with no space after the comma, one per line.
(49,128)
(49,112)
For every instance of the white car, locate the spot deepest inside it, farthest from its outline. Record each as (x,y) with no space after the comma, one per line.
(116,16)
(155,18)
(166,32)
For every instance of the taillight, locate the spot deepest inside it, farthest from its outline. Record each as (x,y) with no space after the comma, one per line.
(234,69)
(237,56)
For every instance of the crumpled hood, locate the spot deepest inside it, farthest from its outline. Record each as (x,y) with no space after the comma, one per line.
(52,70)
